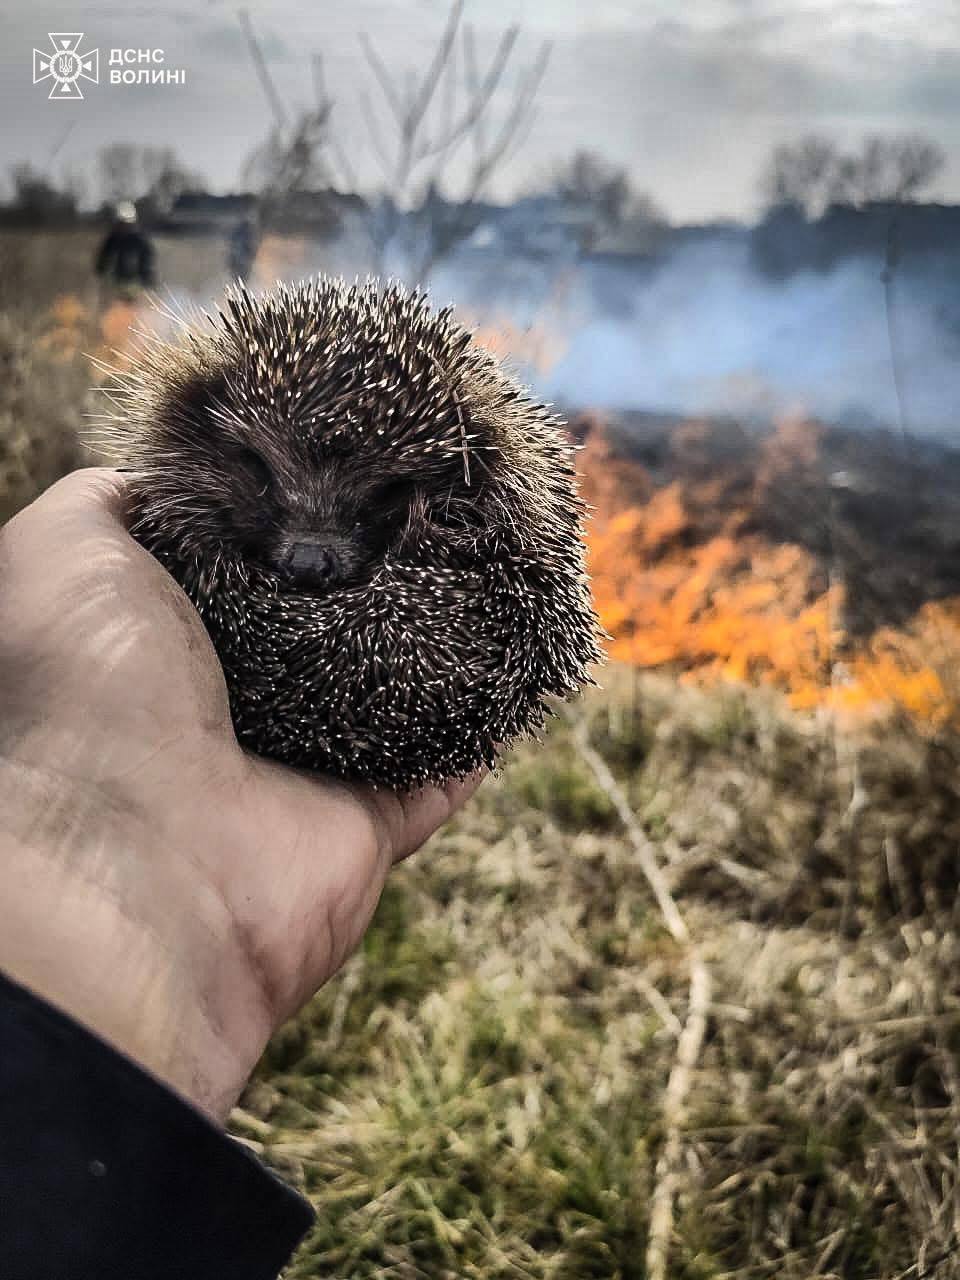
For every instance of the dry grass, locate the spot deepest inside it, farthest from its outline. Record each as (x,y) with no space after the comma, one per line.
(481,1093)
(40,266)
(42,394)
(53,317)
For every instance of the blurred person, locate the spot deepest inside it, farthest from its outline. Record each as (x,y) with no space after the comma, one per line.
(125,259)
(242,247)
(168,901)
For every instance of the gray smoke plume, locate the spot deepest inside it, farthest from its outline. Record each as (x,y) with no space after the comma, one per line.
(702,329)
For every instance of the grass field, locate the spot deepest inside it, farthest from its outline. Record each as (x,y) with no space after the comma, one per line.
(490,1089)
(676,996)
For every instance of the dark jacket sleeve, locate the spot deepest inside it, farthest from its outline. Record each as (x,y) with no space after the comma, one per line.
(106,1174)
(108,251)
(146,262)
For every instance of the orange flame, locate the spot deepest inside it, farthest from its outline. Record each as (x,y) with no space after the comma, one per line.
(71,327)
(533,345)
(680,580)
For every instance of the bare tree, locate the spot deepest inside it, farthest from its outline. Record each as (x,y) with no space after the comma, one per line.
(300,153)
(165,178)
(292,158)
(813,173)
(155,163)
(37,199)
(119,176)
(804,174)
(895,168)
(75,184)
(132,172)
(419,123)
(605,193)
(424,118)
(587,179)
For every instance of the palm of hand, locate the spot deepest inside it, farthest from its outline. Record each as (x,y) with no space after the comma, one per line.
(192,896)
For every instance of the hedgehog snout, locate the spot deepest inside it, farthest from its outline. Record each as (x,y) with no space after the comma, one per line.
(316,560)
(314,563)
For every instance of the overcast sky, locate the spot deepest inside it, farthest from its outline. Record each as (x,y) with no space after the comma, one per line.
(690,97)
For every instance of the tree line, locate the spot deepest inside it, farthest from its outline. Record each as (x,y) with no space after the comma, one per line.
(439,134)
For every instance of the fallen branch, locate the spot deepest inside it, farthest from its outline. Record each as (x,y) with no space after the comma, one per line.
(642,846)
(690,1040)
(674,1111)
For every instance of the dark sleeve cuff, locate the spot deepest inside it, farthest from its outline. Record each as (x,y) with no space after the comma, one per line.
(105,1172)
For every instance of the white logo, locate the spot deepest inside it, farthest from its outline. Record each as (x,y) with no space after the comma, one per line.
(66,65)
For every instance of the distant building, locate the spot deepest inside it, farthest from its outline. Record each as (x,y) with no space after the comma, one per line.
(786,241)
(198,212)
(552,226)
(539,226)
(317,213)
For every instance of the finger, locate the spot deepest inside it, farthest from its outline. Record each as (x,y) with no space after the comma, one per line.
(86,509)
(335,843)
(407,819)
(90,492)
(86,594)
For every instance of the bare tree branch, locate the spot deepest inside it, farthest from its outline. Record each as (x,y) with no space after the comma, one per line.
(479,132)
(320,96)
(449,103)
(260,63)
(415,159)
(482,93)
(382,77)
(376,137)
(522,104)
(324,102)
(422,97)
(347,172)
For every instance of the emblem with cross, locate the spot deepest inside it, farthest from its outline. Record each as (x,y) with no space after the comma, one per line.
(66,65)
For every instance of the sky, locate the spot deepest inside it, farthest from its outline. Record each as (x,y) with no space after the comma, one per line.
(689,97)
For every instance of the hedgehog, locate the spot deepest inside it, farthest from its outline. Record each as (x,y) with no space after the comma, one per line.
(378,525)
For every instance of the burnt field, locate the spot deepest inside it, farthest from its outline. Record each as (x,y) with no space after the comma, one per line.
(678,994)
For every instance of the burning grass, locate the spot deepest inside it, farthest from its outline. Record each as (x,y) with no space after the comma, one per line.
(481,1092)
(754,558)
(47,334)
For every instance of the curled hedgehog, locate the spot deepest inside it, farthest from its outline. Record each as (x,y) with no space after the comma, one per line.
(379,528)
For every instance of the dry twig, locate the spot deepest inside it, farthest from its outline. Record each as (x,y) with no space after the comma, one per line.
(691,1037)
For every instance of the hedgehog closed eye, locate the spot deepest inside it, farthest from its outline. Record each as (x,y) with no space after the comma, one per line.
(393,494)
(396,628)
(258,469)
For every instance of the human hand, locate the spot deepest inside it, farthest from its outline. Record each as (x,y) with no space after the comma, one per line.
(177,895)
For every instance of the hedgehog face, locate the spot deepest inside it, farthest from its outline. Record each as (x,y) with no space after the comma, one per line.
(330,505)
(321,456)
(331,527)
(317,513)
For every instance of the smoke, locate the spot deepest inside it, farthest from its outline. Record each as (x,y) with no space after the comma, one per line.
(702,330)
